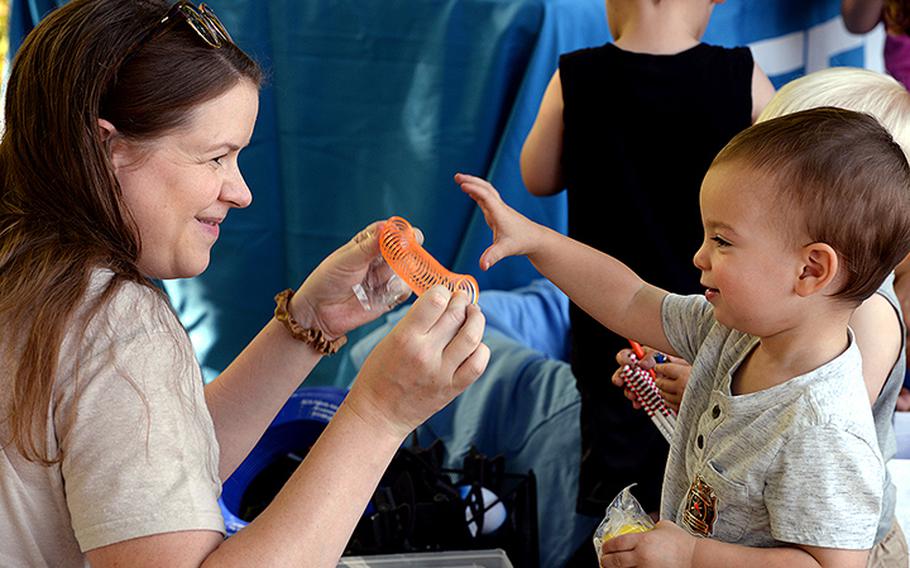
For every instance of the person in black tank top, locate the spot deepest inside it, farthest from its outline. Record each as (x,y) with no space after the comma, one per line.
(633,178)
(629,130)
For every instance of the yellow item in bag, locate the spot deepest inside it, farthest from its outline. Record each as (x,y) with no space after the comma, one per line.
(624,515)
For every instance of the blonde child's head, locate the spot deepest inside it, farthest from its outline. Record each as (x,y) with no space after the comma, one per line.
(850,88)
(839,179)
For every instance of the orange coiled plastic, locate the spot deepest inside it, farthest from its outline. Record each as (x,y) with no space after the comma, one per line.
(415,266)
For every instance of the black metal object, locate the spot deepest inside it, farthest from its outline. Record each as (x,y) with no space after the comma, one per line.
(418,508)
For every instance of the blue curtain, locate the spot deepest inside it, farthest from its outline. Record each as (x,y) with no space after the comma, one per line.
(370,108)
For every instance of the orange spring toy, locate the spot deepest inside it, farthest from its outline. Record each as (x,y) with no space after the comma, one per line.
(419,270)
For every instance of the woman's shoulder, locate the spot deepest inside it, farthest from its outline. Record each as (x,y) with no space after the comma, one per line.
(122,309)
(120,324)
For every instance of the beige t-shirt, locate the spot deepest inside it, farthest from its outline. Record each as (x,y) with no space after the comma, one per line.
(140,454)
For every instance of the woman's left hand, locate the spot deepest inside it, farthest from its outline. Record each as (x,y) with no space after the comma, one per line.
(326,298)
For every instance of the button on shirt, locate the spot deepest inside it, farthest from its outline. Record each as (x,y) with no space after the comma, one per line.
(796,463)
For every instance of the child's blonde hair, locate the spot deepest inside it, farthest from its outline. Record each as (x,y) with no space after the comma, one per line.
(850,88)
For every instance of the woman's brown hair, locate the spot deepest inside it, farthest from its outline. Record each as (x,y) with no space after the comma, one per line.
(61,209)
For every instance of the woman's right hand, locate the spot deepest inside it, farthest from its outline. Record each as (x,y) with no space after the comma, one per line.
(428,358)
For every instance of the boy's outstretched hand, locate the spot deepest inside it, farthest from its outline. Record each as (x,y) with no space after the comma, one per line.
(666,546)
(513,233)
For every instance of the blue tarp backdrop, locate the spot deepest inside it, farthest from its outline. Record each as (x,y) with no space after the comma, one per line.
(372,105)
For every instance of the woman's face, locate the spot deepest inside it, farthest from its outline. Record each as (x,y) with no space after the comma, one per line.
(180,187)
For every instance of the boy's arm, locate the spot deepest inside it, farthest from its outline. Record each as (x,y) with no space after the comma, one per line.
(860,16)
(599,284)
(762,91)
(711,553)
(669,546)
(541,155)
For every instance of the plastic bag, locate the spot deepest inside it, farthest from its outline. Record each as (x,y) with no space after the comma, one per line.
(624,515)
(381,288)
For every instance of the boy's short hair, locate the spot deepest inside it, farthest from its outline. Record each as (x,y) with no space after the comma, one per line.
(843,180)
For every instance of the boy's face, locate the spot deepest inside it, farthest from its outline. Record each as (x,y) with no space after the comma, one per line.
(748,264)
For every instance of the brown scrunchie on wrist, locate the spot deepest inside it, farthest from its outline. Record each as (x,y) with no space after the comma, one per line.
(313,337)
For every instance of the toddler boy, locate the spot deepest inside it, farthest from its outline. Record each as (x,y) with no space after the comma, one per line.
(775,456)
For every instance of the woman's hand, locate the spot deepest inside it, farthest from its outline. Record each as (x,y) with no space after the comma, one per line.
(428,358)
(672,375)
(326,299)
(513,233)
(666,546)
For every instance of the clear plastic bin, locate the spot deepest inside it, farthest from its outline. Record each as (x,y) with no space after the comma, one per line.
(467,559)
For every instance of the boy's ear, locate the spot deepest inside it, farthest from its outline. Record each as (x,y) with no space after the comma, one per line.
(820,267)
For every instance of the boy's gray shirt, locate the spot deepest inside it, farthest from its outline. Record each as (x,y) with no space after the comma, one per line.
(797,463)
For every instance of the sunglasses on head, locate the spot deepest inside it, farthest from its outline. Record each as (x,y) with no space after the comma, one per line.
(202,19)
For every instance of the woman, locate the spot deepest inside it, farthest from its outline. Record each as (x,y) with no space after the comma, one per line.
(124,120)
